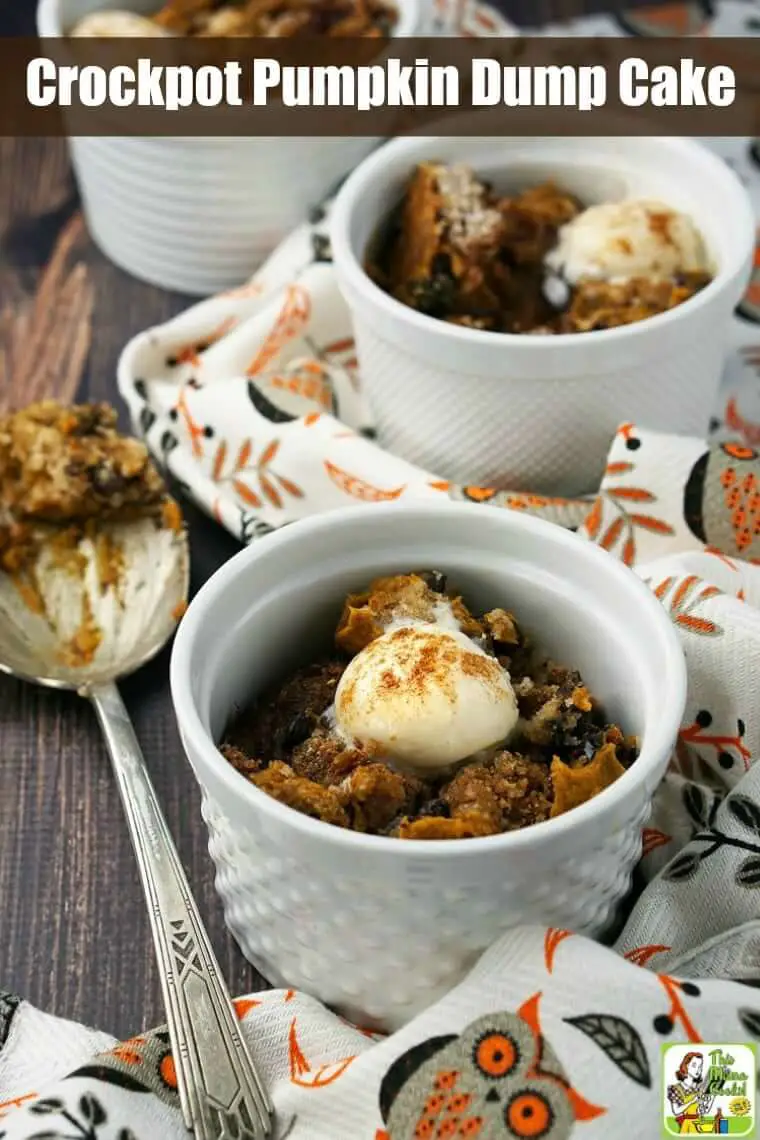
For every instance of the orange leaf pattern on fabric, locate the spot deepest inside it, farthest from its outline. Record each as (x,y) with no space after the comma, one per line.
(640,955)
(657,526)
(289,486)
(677,1011)
(246,493)
(723,557)
(269,453)
(651,839)
(523,501)
(552,940)
(16,1102)
(594,520)
(612,534)
(618,468)
(341,352)
(661,590)
(631,494)
(301,1073)
(244,1006)
(270,491)
(196,431)
(244,455)
(697,624)
(260,470)
(749,432)
(629,551)
(292,320)
(685,599)
(309,381)
(359,488)
(219,458)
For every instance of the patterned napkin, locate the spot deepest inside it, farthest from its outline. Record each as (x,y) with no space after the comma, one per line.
(252,402)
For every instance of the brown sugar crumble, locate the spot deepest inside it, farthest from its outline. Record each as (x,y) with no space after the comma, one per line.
(457,251)
(65,473)
(562,753)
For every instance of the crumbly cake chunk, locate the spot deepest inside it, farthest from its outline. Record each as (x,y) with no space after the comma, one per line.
(277,18)
(447,230)
(68,464)
(280,782)
(608,304)
(561,754)
(457,251)
(413,597)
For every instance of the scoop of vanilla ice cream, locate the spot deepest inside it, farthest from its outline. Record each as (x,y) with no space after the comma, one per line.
(632,238)
(427,697)
(105,24)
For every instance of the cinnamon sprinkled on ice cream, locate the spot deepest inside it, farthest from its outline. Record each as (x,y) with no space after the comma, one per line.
(617,241)
(427,697)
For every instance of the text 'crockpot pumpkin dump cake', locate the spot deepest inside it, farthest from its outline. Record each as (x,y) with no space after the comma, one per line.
(239,18)
(536,261)
(428,722)
(68,479)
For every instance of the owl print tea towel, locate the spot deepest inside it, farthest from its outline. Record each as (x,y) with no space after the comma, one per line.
(551,1035)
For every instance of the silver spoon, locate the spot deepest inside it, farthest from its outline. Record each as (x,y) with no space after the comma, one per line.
(128,587)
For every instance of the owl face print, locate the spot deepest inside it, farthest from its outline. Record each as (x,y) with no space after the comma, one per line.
(498,1079)
(722,500)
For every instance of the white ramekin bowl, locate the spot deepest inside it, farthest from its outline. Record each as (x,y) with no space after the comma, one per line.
(536,412)
(199,215)
(380,927)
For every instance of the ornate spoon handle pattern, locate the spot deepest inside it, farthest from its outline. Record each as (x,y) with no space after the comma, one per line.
(221,1094)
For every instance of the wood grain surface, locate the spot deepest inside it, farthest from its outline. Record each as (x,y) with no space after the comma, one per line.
(74,935)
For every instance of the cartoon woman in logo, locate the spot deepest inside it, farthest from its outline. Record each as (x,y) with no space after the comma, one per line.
(689,1098)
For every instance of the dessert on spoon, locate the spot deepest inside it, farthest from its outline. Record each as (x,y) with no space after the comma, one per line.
(93,580)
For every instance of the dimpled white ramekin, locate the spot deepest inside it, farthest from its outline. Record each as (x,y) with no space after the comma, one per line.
(538,412)
(199,215)
(380,927)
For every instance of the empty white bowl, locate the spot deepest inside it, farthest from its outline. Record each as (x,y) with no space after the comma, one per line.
(380,927)
(199,215)
(538,412)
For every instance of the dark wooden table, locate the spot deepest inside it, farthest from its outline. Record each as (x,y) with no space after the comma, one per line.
(74,935)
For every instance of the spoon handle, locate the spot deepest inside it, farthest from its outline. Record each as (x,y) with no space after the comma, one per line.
(220,1092)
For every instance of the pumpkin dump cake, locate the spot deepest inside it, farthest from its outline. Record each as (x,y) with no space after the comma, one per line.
(428,722)
(267,18)
(535,261)
(68,480)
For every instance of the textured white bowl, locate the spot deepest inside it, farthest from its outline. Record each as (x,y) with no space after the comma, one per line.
(534,412)
(199,215)
(380,927)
